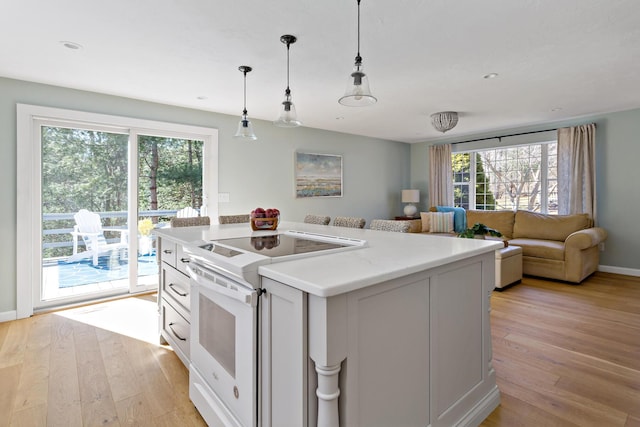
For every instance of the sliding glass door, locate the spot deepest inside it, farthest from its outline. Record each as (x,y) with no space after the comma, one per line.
(169,180)
(93,210)
(85,245)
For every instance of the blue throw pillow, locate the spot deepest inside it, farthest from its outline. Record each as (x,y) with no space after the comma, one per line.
(459,217)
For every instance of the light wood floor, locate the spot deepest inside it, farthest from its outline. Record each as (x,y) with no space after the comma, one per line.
(97,365)
(567,355)
(564,355)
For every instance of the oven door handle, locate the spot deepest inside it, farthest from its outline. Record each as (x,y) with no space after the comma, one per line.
(219,284)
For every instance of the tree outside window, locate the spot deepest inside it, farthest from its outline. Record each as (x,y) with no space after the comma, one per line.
(509,178)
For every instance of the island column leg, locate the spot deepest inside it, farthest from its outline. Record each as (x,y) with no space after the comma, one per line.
(328,392)
(328,350)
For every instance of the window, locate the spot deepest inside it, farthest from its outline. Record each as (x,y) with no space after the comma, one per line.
(507,178)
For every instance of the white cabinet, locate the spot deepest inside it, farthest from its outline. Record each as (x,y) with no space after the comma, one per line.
(284,361)
(409,351)
(174,299)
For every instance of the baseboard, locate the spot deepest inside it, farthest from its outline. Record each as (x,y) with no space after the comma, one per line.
(6,316)
(482,410)
(619,270)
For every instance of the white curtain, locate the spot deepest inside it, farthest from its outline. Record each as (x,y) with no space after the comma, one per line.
(577,170)
(440,175)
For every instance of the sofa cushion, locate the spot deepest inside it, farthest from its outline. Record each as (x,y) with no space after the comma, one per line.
(498,220)
(459,217)
(424,217)
(547,249)
(534,225)
(440,222)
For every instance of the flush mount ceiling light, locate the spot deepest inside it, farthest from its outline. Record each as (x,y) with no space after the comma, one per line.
(358,93)
(444,120)
(288,117)
(245,129)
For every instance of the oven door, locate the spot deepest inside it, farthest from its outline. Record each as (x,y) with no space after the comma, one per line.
(224,345)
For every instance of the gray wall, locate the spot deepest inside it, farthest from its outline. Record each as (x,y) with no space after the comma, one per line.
(617,181)
(255,174)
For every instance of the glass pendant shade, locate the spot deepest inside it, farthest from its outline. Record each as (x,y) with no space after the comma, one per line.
(358,93)
(245,129)
(288,116)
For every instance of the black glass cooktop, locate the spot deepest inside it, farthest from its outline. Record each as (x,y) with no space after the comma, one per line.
(273,245)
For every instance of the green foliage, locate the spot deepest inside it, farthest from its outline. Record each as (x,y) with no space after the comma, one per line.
(461,165)
(87,169)
(479,229)
(177,182)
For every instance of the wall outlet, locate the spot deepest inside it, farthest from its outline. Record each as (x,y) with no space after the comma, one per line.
(601,246)
(223,197)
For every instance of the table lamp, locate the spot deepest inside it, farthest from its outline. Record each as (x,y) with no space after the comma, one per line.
(410,197)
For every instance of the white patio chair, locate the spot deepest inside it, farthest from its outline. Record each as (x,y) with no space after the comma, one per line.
(187,212)
(89,228)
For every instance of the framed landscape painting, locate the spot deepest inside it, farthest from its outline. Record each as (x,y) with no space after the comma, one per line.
(318,175)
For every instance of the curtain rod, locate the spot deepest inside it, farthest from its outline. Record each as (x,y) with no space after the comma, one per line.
(504,136)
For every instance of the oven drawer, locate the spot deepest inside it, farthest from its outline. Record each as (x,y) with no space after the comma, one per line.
(176,331)
(168,252)
(176,286)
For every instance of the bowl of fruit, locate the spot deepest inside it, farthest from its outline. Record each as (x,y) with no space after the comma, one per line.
(265,219)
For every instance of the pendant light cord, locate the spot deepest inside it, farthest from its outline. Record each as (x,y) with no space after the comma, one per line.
(288,90)
(244,111)
(358,58)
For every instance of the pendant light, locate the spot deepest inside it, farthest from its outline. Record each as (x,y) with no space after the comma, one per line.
(245,129)
(358,93)
(288,117)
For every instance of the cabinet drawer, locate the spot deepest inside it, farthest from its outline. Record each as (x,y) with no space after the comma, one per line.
(168,252)
(176,329)
(181,260)
(176,286)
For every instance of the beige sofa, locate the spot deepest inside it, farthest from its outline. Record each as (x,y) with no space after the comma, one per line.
(562,247)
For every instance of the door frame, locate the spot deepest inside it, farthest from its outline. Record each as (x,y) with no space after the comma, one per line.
(29,187)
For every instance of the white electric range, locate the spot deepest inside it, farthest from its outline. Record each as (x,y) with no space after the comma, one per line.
(225,294)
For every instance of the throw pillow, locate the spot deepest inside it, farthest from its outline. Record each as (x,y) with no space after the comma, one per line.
(459,217)
(441,222)
(424,218)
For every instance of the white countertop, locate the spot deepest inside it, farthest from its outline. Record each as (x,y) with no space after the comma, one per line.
(388,255)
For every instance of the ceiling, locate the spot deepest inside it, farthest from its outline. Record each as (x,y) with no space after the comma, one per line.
(555,59)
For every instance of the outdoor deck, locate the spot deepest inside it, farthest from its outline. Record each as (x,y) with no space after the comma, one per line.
(61,278)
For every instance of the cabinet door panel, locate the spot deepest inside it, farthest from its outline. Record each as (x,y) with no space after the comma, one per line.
(387,369)
(284,355)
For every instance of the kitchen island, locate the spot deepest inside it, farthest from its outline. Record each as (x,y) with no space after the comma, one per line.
(395,333)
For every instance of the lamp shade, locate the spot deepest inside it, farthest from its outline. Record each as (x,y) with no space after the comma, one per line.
(410,196)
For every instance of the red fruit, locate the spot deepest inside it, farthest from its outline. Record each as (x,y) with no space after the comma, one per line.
(259,210)
(269,213)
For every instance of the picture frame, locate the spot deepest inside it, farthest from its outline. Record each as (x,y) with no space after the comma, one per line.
(318,175)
